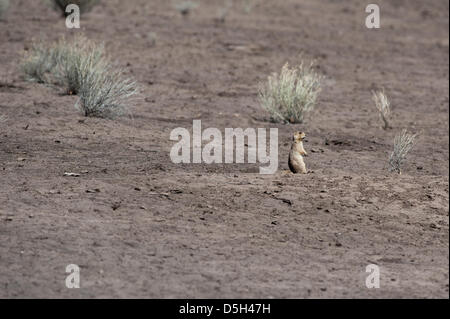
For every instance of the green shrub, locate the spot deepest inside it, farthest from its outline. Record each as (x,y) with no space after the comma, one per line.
(39,62)
(60,62)
(81,67)
(290,95)
(104,92)
(70,59)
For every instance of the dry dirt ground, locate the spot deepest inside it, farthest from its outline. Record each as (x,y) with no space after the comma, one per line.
(140,226)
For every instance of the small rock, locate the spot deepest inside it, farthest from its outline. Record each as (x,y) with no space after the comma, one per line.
(72,174)
(95,190)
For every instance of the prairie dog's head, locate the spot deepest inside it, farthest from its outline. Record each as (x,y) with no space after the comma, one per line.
(299,137)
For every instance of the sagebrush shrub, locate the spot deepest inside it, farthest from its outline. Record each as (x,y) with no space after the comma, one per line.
(4,5)
(59,63)
(84,5)
(104,92)
(403,143)
(383,106)
(71,57)
(82,68)
(39,62)
(290,95)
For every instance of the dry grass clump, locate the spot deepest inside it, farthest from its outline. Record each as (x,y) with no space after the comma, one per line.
(81,67)
(84,5)
(39,62)
(59,63)
(104,92)
(4,5)
(403,143)
(383,106)
(71,59)
(290,95)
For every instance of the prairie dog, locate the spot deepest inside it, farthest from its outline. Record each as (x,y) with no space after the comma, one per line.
(296,163)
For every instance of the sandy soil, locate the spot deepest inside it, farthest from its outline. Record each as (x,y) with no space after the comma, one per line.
(140,226)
